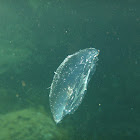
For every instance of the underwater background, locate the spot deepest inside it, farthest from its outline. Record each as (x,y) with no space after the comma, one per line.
(37,35)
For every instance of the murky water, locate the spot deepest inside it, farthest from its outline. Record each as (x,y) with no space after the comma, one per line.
(36,36)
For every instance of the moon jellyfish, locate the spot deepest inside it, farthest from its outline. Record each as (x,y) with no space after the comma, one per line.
(70,82)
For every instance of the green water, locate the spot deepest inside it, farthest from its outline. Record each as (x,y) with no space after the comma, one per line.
(36,36)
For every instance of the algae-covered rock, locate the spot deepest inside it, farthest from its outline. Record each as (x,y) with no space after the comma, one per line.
(8,100)
(29,124)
